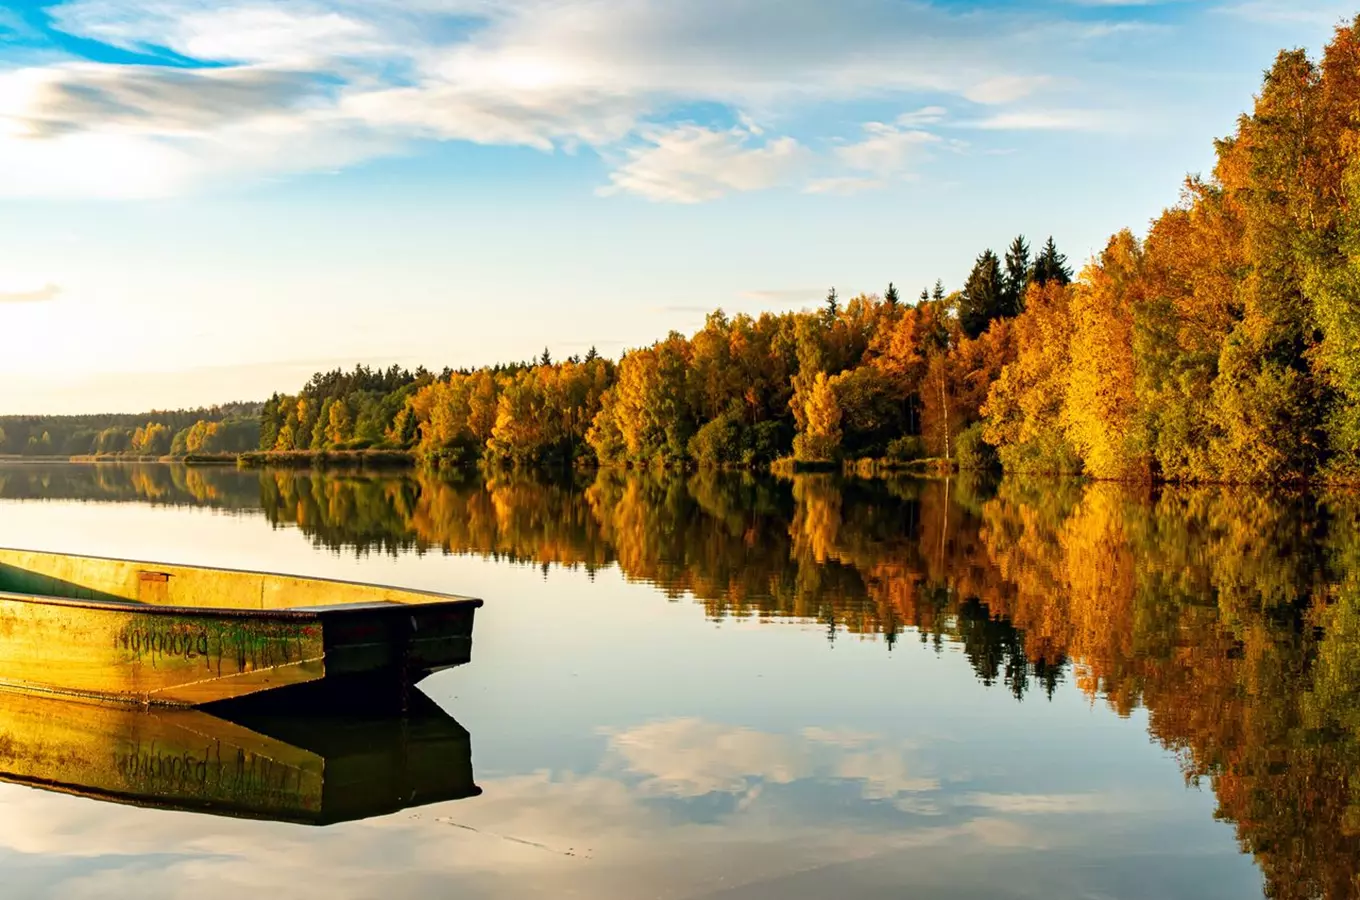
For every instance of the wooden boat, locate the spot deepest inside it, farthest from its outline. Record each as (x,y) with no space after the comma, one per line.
(310,771)
(158,635)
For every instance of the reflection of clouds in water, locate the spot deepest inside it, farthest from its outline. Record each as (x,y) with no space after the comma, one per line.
(1037,804)
(602,834)
(692,758)
(513,842)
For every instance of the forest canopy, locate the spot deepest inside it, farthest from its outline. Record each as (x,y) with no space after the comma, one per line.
(1222,345)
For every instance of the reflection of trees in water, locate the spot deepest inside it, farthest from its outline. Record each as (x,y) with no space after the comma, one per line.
(1233,617)
(154,483)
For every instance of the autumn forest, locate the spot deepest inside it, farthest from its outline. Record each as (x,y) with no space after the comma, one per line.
(1220,346)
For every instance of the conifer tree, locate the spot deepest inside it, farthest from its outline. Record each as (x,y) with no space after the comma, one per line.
(982,295)
(833,306)
(938,294)
(891,297)
(1018,274)
(1051,265)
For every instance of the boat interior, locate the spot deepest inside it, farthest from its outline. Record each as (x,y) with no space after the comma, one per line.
(56,576)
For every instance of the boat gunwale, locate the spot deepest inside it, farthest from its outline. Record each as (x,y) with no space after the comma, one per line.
(233,612)
(441,600)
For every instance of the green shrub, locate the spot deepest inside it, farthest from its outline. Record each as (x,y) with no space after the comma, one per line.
(719,442)
(906,449)
(973,452)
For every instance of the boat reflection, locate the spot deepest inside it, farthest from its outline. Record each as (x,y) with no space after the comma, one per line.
(308,770)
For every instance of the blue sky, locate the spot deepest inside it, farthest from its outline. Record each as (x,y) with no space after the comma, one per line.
(206,201)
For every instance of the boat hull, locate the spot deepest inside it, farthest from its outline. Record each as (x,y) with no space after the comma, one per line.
(154,649)
(153,656)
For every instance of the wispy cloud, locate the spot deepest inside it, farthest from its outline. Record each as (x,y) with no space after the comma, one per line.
(42,294)
(690,164)
(1037,804)
(1005,88)
(886,149)
(844,185)
(1047,120)
(314,85)
(151,100)
(929,115)
(1308,12)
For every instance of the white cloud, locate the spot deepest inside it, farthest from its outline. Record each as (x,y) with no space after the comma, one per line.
(1047,120)
(40,294)
(304,85)
(1005,88)
(691,163)
(1307,12)
(89,165)
(541,118)
(87,130)
(929,115)
(1038,804)
(253,32)
(691,757)
(694,758)
(844,185)
(530,835)
(886,149)
(151,100)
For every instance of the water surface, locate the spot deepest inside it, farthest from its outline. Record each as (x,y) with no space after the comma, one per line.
(714,686)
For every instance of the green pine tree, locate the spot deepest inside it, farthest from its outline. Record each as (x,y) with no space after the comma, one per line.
(1051,266)
(982,299)
(1018,274)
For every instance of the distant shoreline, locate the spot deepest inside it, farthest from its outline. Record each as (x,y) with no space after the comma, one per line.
(406,459)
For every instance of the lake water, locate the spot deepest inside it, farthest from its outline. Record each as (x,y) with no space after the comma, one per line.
(714,686)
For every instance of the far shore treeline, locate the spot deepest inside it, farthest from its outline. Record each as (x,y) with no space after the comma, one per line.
(230,428)
(1223,346)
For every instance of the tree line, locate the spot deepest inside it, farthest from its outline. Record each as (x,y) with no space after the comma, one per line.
(229,428)
(1220,347)
(871,377)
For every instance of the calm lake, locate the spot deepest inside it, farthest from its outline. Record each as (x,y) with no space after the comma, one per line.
(721,686)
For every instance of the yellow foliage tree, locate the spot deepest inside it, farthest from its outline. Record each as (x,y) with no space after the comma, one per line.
(1024,406)
(820,439)
(340,424)
(1102,406)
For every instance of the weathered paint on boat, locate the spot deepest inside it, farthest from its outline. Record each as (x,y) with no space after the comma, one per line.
(154,634)
(323,772)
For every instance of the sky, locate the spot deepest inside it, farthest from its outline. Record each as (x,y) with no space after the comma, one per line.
(203,202)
